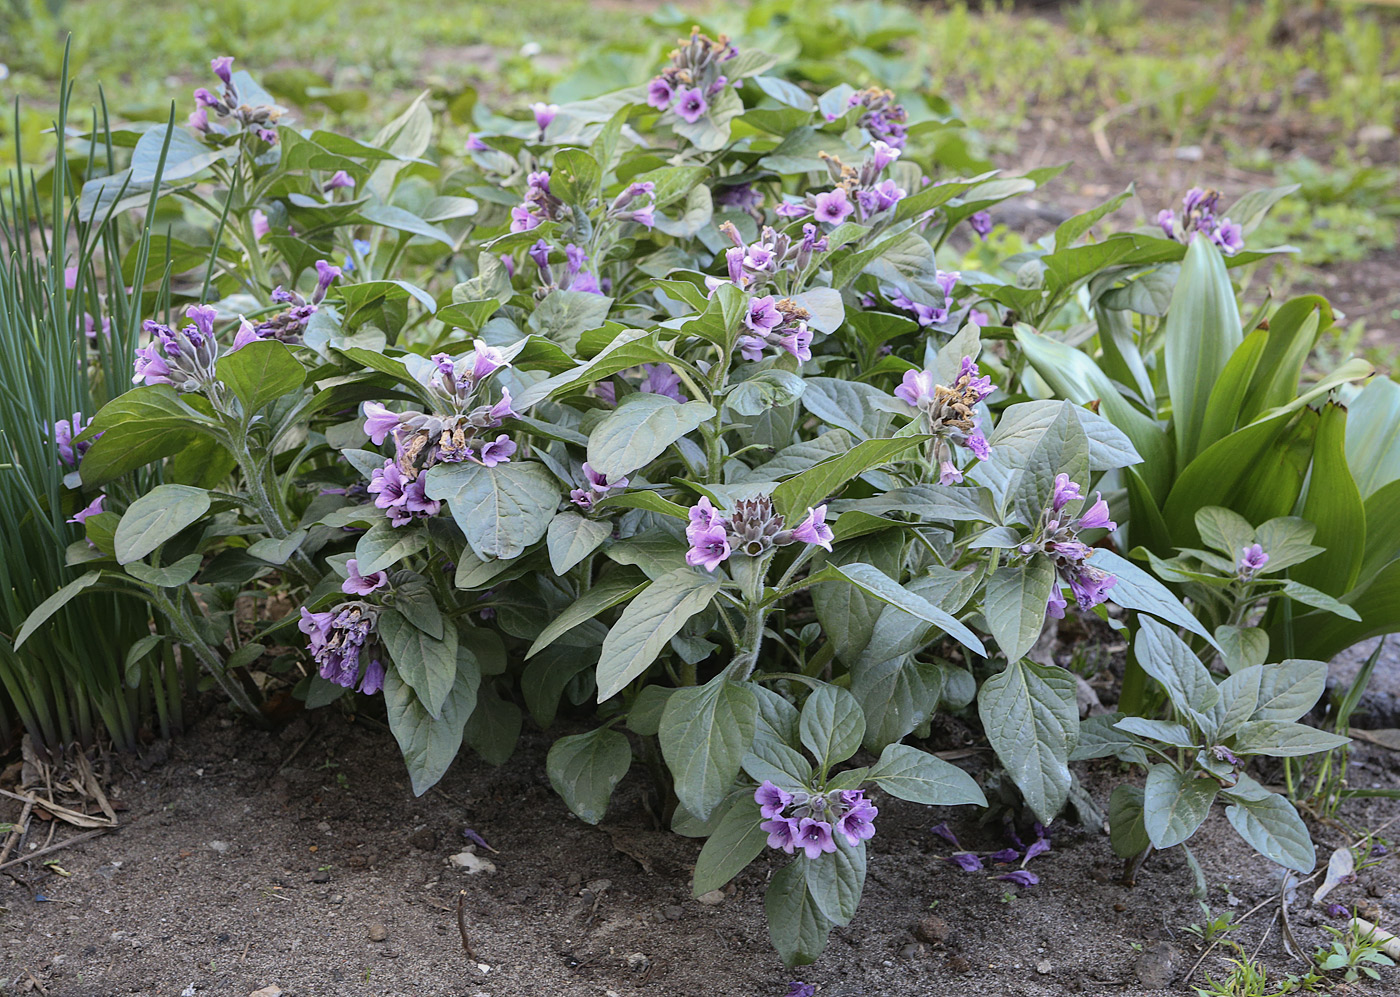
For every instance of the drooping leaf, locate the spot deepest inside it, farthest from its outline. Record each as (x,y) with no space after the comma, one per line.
(647,625)
(1031,717)
(585,768)
(705,733)
(155,517)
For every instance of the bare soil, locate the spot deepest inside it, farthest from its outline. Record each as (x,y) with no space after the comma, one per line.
(243,862)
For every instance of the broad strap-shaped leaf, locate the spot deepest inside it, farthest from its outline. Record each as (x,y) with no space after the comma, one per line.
(1016,597)
(728,851)
(429,742)
(585,768)
(503,510)
(1174,804)
(1333,504)
(1275,830)
(920,777)
(156,517)
(428,665)
(1031,717)
(705,733)
(1201,331)
(832,725)
(647,625)
(1373,446)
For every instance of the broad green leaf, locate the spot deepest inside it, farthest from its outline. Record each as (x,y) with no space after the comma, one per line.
(1136,589)
(1126,832)
(577,176)
(573,537)
(1239,698)
(137,427)
(563,316)
(832,725)
(1310,596)
(847,614)
(1067,233)
(383,545)
(767,389)
(1167,658)
(1158,730)
(1333,504)
(167,576)
(1288,541)
(1031,717)
(1034,442)
(735,843)
(647,625)
(1282,739)
(773,761)
(585,768)
(1290,689)
(275,551)
(156,517)
(1224,530)
(1373,446)
(705,733)
(1099,737)
(920,777)
(503,510)
(547,675)
(1016,597)
(429,742)
(494,727)
(836,880)
(639,430)
(796,925)
(896,695)
(429,666)
(606,593)
(873,581)
(1275,830)
(53,604)
(808,488)
(1293,331)
(260,373)
(1174,804)
(1201,331)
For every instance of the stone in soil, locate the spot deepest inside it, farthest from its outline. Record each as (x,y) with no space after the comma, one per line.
(1159,965)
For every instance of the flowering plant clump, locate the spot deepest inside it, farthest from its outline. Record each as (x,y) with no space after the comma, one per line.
(649,410)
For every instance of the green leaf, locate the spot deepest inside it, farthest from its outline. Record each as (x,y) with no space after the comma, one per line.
(260,373)
(639,430)
(398,219)
(767,389)
(413,597)
(1034,442)
(1201,331)
(896,695)
(503,510)
(168,576)
(1168,659)
(429,666)
(137,427)
(545,678)
(53,604)
(1373,446)
(585,768)
(920,777)
(1333,504)
(573,537)
(1126,832)
(647,625)
(1067,233)
(1158,730)
(1099,737)
(796,925)
(1174,803)
(1310,596)
(1031,717)
(736,842)
(383,546)
(605,593)
(1282,739)
(1224,530)
(1275,830)
(430,742)
(873,581)
(705,733)
(156,517)
(1290,689)
(835,881)
(494,727)
(1136,589)
(1016,598)
(848,616)
(797,494)
(564,316)
(275,551)
(577,176)
(832,725)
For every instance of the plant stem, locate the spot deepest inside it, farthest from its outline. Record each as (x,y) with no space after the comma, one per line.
(189,635)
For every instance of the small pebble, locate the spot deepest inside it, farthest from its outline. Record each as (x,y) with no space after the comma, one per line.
(711,898)
(378,933)
(425,839)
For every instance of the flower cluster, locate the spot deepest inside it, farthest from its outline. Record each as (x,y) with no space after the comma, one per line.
(636,203)
(750,266)
(753,529)
(339,639)
(930,315)
(1018,851)
(540,205)
(288,326)
(1251,562)
(1198,214)
(777,322)
(855,189)
(1059,538)
(402,498)
(740,197)
(597,490)
(230,109)
(185,358)
(70,453)
(455,433)
(882,118)
(815,819)
(950,414)
(574,277)
(694,78)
